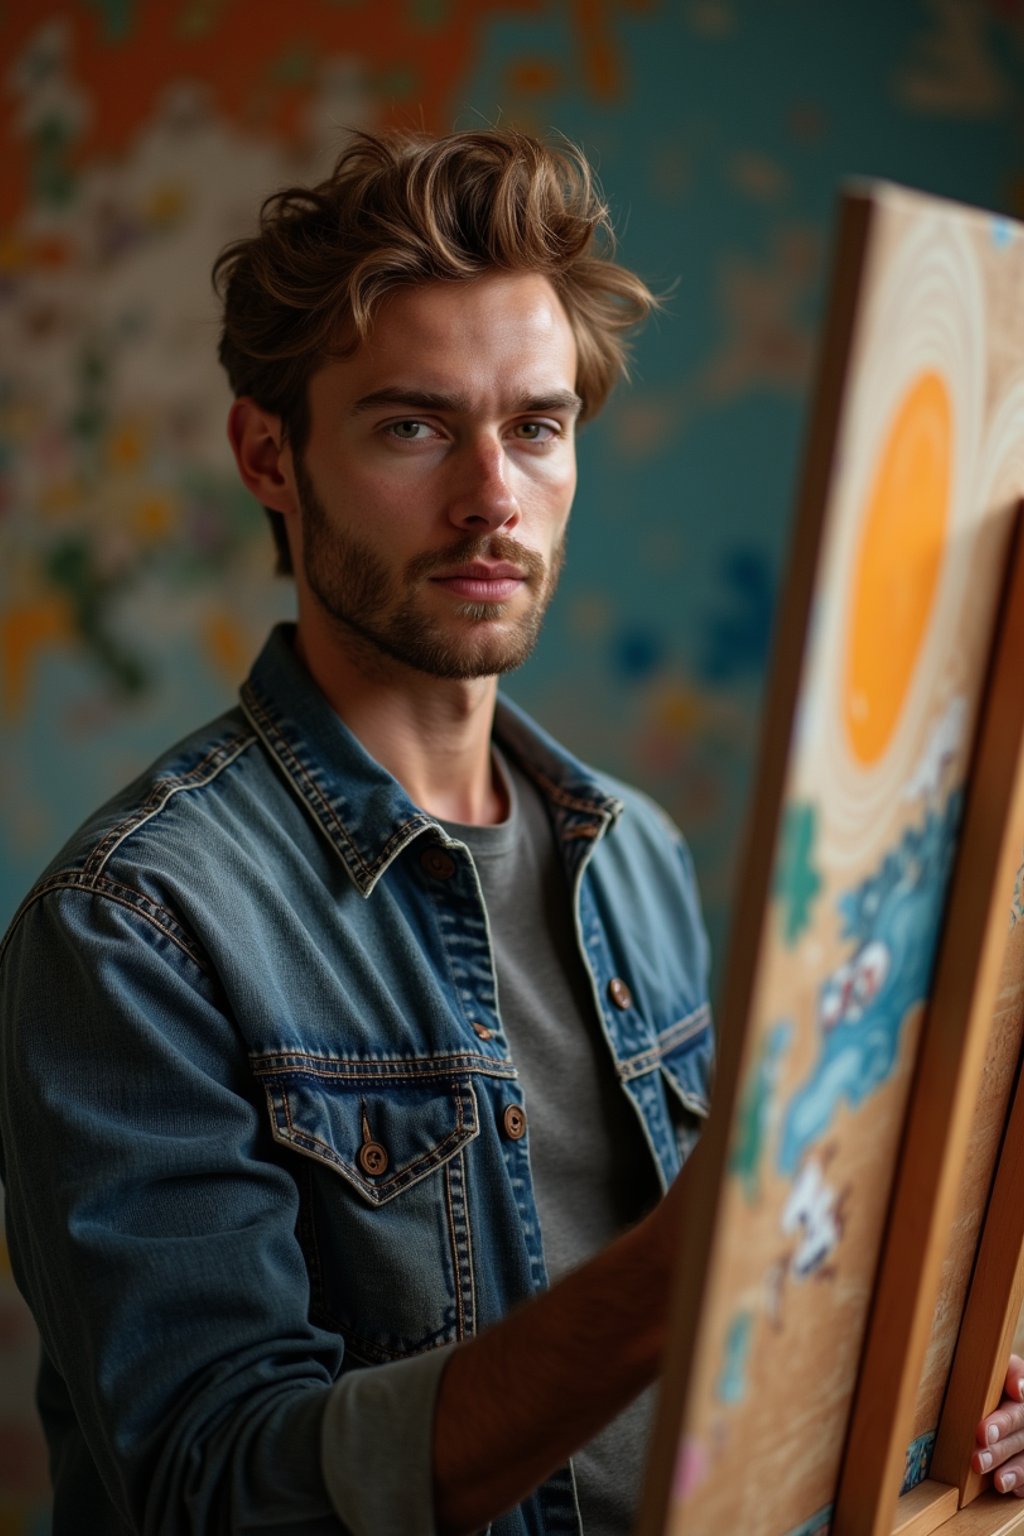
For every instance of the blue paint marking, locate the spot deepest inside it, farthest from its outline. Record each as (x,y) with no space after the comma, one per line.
(919,1459)
(818,1525)
(899,907)
(737,637)
(637,653)
(731,1386)
(1002,233)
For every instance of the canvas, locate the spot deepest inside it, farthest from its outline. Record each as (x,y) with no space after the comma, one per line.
(915,469)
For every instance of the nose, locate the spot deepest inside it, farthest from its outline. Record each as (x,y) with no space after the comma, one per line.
(482,495)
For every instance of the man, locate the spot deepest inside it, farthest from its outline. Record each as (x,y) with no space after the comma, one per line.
(368,1011)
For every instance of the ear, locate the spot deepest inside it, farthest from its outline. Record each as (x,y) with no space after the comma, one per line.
(263,457)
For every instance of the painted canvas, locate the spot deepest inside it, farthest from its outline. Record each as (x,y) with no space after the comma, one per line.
(914,469)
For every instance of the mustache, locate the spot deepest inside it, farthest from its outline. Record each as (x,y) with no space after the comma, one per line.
(492,546)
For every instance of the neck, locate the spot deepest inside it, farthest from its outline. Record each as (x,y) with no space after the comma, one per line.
(432,734)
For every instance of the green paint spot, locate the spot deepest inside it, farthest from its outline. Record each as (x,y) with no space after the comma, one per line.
(754,1119)
(53,183)
(92,369)
(398,84)
(88,418)
(296,67)
(797,881)
(117,17)
(72,569)
(199,18)
(428,15)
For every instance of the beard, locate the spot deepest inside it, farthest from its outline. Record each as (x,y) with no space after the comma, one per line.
(382,613)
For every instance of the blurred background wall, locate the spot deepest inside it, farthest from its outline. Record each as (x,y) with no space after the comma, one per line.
(135,574)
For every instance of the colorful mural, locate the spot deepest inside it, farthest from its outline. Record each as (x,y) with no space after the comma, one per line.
(140,135)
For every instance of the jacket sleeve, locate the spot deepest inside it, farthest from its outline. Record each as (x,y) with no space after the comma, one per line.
(153,1234)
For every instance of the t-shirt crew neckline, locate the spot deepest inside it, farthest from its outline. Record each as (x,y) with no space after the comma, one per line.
(491,840)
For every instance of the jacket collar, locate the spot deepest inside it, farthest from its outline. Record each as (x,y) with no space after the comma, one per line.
(362,809)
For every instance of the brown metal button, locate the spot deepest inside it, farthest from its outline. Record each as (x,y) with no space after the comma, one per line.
(373,1158)
(437,863)
(482,1030)
(619,993)
(515,1123)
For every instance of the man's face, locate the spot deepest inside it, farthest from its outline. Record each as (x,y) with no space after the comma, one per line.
(437,479)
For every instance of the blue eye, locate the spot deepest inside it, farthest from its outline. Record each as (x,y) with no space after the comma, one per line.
(407,431)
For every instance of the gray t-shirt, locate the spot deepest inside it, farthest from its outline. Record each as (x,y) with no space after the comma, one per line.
(591,1170)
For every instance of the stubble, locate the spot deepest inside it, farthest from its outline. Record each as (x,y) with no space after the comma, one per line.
(381,614)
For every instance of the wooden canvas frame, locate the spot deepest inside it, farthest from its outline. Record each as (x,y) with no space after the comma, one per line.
(951,1045)
(945,1089)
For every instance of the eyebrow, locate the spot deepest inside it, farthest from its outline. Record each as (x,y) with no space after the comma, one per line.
(430,400)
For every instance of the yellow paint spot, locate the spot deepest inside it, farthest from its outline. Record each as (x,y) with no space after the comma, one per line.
(226,647)
(898,565)
(679,711)
(167,203)
(24,631)
(154,517)
(13,256)
(125,447)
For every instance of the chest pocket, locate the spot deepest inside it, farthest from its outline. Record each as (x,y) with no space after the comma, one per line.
(381,1172)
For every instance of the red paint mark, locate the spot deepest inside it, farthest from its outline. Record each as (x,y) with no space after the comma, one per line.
(235,57)
(601,62)
(50,252)
(534,77)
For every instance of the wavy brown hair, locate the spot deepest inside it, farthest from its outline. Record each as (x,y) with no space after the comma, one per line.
(403,208)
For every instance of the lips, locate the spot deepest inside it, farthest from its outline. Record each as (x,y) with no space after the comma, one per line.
(480,582)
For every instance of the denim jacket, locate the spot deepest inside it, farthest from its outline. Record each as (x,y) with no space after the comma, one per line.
(254,1113)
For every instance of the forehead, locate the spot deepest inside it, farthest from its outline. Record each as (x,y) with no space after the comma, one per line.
(504,332)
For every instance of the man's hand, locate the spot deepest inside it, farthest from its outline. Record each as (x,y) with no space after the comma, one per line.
(1001,1435)
(517,1400)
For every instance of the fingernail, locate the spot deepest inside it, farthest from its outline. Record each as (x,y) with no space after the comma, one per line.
(984,1461)
(1020,1389)
(1008,1481)
(992,1434)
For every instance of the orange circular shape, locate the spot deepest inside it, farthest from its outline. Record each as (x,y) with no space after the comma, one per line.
(898,565)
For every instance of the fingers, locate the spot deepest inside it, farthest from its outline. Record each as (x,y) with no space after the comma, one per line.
(1008,1418)
(1009,1478)
(1001,1446)
(997,1427)
(1000,1435)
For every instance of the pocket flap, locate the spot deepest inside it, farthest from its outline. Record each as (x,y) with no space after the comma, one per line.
(380,1136)
(687,1060)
